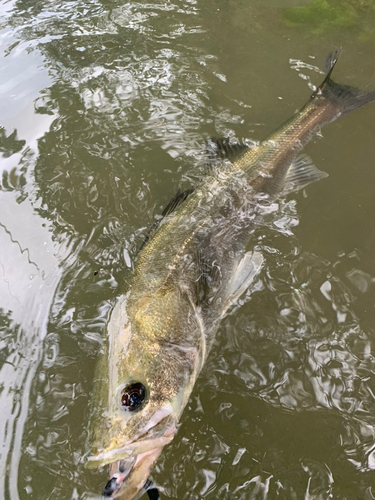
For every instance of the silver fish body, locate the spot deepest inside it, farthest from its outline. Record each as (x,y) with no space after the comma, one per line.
(194,266)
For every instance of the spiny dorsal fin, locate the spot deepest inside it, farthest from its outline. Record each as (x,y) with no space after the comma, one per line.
(175,202)
(222,148)
(301,172)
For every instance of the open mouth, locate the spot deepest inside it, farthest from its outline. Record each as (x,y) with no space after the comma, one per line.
(120,472)
(131,462)
(155,435)
(118,476)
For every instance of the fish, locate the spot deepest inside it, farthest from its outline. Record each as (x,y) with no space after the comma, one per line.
(195,264)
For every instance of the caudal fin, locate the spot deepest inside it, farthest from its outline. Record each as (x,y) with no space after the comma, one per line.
(345,97)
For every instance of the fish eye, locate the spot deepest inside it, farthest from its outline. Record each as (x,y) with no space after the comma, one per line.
(132,396)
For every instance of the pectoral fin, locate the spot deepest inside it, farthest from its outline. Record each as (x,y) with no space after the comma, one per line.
(247,269)
(301,172)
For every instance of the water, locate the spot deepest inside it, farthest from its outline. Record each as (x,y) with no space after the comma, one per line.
(105,108)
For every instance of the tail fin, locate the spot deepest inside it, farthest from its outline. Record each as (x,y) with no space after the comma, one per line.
(345,97)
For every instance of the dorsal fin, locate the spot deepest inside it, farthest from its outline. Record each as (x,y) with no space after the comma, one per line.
(221,148)
(176,201)
(173,204)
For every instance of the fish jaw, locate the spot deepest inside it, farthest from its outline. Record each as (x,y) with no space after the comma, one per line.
(132,450)
(129,476)
(158,432)
(127,484)
(130,465)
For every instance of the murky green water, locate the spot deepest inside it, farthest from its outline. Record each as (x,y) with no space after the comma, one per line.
(105,108)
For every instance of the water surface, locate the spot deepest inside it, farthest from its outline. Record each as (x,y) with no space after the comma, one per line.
(105,107)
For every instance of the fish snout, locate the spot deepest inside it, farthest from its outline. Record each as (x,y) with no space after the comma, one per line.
(119,471)
(128,484)
(130,475)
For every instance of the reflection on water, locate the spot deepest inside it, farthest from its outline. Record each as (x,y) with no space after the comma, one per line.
(104,109)
(31,266)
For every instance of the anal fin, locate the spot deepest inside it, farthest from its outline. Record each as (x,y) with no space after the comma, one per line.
(301,172)
(248,267)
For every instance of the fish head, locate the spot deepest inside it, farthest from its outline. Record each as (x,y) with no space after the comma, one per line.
(143,381)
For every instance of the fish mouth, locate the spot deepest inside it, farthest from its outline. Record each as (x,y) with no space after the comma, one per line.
(155,435)
(129,476)
(119,471)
